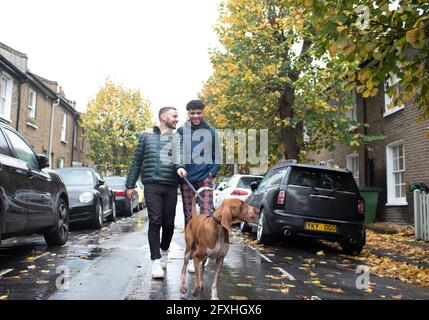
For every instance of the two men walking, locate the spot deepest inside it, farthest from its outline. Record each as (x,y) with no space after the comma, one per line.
(161,159)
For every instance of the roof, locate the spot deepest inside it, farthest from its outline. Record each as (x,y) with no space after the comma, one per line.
(11,69)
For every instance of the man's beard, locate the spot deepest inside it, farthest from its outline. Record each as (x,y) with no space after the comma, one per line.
(171,125)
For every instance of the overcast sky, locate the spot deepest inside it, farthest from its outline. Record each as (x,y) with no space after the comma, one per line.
(159,46)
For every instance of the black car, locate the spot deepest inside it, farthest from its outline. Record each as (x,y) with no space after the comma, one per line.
(90,199)
(123,205)
(310,201)
(33,199)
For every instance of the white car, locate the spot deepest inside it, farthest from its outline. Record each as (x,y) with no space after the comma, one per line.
(238,186)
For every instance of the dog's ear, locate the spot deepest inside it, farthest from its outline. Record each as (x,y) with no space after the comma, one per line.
(226,217)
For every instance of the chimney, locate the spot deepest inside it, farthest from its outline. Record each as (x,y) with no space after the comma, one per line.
(61,92)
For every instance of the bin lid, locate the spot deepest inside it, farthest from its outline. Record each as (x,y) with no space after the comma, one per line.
(370,189)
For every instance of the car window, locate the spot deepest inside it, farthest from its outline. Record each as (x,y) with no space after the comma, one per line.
(231,182)
(265,180)
(4,148)
(22,149)
(245,182)
(118,182)
(98,176)
(277,176)
(308,177)
(77,177)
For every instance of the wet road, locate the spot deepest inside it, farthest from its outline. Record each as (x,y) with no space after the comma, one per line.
(114,263)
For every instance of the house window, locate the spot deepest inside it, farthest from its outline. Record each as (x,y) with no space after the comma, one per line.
(330,163)
(389,107)
(74,137)
(32,98)
(64,128)
(395,163)
(5,97)
(352,114)
(353,166)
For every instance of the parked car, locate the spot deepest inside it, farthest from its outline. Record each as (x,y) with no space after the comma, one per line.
(140,191)
(218,187)
(310,201)
(90,199)
(238,186)
(33,199)
(124,205)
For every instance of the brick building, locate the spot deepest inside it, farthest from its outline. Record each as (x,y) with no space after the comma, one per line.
(392,164)
(35,107)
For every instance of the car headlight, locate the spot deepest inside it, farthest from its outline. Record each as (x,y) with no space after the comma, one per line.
(86,197)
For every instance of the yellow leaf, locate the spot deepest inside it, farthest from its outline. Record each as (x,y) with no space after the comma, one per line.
(308,3)
(321,253)
(239,298)
(397,297)
(5,297)
(412,35)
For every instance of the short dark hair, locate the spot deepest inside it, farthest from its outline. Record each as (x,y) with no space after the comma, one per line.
(164,110)
(195,104)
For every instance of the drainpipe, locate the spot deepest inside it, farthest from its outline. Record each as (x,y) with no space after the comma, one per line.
(368,162)
(54,104)
(72,142)
(19,106)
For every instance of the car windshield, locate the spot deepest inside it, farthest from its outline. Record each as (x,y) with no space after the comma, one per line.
(314,178)
(118,182)
(77,177)
(245,182)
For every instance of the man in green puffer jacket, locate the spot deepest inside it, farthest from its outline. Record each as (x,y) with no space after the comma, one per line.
(153,160)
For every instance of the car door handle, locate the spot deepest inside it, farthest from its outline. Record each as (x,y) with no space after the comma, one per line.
(322,196)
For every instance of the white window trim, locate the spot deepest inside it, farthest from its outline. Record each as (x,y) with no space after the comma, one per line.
(31,106)
(29,124)
(391,82)
(64,128)
(7,98)
(349,165)
(391,199)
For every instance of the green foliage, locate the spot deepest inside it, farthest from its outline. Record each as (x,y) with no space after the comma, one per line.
(112,124)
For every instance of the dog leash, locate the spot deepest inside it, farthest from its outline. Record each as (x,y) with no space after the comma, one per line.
(198,195)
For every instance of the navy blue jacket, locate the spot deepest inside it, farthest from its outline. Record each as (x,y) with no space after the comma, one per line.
(204,146)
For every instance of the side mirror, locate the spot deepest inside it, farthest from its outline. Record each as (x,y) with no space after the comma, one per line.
(254,185)
(101,182)
(43,161)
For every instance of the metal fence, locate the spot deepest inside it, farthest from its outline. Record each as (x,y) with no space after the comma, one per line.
(421,215)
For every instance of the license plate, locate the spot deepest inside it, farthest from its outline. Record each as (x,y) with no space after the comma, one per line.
(320,227)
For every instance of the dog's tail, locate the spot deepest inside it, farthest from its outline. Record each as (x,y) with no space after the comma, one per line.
(194,200)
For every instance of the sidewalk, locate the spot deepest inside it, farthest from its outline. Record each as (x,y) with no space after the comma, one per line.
(392,251)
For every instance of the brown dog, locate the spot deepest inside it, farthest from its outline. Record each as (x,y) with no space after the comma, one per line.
(211,237)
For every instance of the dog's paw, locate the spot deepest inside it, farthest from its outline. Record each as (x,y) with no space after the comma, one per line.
(196,291)
(183,289)
(215,297)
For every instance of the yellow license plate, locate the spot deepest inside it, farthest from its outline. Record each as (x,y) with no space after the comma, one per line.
(320,227)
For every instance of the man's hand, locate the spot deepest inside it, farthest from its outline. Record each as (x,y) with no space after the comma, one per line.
(130,193)
(182,172)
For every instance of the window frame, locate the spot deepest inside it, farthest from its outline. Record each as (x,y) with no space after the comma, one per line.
(31,109)
(6,96)
(392,199)
(64,128)
(393,80)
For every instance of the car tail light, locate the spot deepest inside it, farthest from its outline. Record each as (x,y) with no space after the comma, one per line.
(361,207)
(239,193)
(120,193)
(281,197)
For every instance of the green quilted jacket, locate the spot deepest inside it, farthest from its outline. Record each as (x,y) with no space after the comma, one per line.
(153,160)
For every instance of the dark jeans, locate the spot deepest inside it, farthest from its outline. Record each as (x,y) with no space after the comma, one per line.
(161,203)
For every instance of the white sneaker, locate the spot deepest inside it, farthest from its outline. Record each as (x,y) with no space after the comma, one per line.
(164,258)
(191,266)
(157,271)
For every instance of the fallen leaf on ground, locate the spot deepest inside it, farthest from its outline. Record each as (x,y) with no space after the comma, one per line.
(398,297)
(285,290)
(390,287)
(45,271)
(4,297)
(336,290)
(31,267)
(14,278)
(239,298)
(244,285)
(321,253)
(42,282)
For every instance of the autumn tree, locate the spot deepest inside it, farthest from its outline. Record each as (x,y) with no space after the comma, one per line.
(112,124)
(389,39)
(266,75)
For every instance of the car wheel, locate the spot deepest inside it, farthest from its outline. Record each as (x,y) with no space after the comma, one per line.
(112,216)
(97,221)
(59,235)
(245,228)
(263,234)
